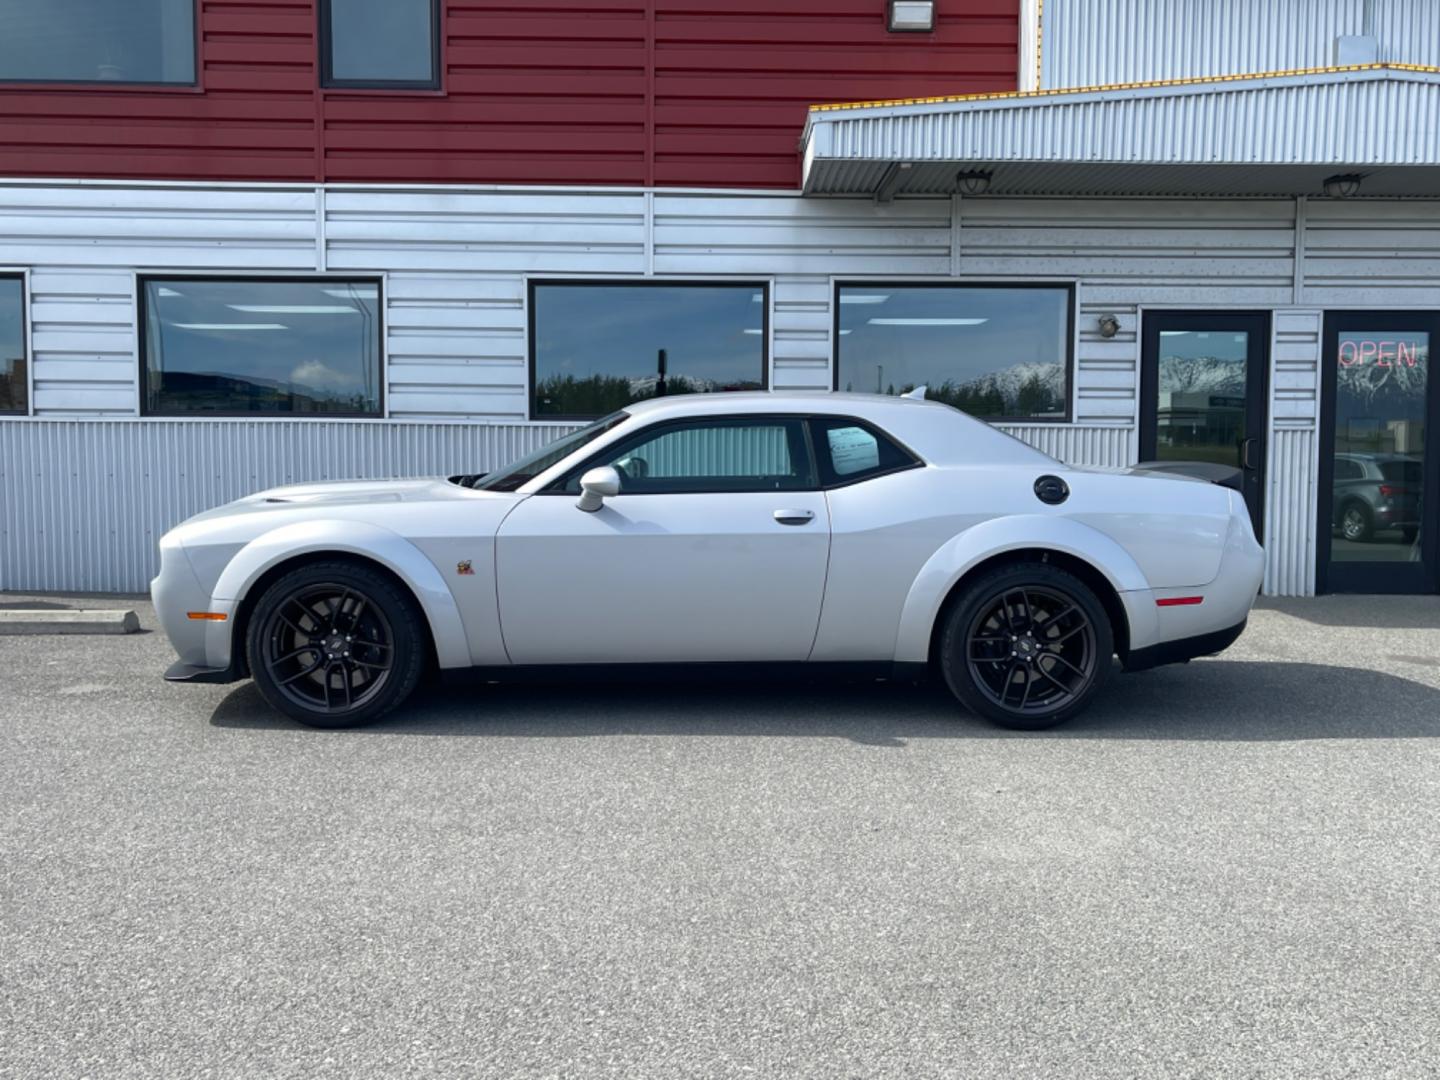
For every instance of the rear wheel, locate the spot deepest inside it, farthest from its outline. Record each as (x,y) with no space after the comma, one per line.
(335,644)
(1027,646)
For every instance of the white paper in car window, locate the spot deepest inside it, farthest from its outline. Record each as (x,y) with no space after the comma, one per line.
(853,450)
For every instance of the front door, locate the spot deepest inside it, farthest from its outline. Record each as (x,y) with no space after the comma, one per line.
(714,550)
(1379,488)
(1202,393)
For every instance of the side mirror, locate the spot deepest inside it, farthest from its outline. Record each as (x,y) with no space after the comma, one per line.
(595,486)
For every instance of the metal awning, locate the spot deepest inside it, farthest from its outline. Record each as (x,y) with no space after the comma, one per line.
(1247,135)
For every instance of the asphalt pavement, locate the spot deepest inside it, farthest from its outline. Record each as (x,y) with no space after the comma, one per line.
(1228,868)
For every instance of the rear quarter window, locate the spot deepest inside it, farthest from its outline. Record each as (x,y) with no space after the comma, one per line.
(848,451)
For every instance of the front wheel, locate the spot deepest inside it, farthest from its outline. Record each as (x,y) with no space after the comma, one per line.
(335,644)
(1027,646)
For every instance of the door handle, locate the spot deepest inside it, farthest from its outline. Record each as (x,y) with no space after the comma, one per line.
(1245,450)
(794,517)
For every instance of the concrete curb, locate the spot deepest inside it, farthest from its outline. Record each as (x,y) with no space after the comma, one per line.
(37,621)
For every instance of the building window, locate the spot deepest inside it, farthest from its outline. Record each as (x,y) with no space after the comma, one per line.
(14,390)
(595,348)
(1000,352)
(138,41)
(380,44)
(255,347)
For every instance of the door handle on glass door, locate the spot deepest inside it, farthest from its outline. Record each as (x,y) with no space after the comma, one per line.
(794,517)
(1245,459)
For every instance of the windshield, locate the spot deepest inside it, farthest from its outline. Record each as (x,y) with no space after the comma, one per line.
(527,468)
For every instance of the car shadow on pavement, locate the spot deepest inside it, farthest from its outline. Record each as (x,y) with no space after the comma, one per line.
(1206,700)
(1360,611)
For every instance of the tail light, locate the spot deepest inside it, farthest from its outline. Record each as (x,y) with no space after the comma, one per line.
(1391,490)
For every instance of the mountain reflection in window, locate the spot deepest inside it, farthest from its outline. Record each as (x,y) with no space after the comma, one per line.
(599,347)
(993,351)
(245,347)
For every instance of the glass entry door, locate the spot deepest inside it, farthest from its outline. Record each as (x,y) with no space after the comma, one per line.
(1377,481)
(1202,393)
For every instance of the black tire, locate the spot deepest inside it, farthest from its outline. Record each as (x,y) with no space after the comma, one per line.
(1026,646)
(1357,524)
(335,644)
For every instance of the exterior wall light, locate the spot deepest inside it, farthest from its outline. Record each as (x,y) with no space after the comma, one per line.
(973,183)
(1109,326)
(1343,186)
(911,16)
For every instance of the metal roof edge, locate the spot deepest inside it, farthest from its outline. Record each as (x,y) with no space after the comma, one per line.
(1211,84)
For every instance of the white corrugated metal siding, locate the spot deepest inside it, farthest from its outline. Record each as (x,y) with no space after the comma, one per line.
(1110,447)
(1104,42)
(1290,493)
(1364,254)
(1290,513)
(82,502)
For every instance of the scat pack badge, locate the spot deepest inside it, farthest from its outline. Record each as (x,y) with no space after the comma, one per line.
(464,569)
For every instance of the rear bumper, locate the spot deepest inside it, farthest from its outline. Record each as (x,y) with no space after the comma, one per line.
(1397,517)
(1183,649)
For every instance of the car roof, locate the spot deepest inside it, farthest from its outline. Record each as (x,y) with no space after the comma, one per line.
(937,432)
(774,401)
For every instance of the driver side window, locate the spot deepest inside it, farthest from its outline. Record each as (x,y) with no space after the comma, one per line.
(721,455)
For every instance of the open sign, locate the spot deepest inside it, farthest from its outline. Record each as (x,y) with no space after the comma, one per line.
(1384,352)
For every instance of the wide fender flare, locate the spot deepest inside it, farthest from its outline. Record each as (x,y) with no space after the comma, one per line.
(368,541)
(967,550)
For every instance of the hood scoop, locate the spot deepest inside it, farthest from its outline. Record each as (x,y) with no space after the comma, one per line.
(341,495)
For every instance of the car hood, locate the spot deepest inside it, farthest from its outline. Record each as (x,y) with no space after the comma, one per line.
(342,493)
(353,491)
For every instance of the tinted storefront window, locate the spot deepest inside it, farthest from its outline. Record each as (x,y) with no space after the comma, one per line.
(243,347)
(13,395)
(1381,393)
(136,41)
(993,351)
(596,348)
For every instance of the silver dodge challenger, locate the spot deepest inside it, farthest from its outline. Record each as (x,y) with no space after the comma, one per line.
(830,531)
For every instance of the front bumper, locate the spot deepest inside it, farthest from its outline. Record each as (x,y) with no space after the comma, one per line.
(180,671)
(202,644)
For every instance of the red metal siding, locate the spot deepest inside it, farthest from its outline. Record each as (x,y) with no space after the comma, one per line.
(669,92)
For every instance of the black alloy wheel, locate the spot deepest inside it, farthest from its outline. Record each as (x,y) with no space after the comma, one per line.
(335,644)
(1027,646)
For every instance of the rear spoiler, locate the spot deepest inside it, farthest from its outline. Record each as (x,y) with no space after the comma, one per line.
(1228,476)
